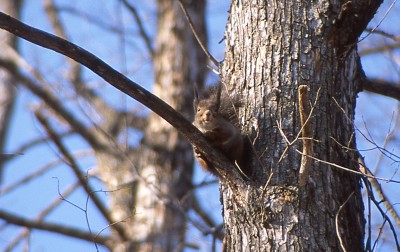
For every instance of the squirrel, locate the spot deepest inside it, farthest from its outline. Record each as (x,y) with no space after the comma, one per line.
(216,118)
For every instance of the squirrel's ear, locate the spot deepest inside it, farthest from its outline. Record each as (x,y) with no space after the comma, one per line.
(196,98)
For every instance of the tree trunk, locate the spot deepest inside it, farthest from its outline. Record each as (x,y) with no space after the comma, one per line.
(166,159)
(272,49)
(7,81)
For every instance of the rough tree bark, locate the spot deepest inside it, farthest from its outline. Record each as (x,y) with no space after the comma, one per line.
(271,49)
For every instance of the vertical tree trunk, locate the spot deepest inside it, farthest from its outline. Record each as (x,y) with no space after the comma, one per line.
(272,48)
(166,159)
(7,81)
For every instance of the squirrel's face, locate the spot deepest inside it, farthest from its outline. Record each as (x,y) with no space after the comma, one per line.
(205,116)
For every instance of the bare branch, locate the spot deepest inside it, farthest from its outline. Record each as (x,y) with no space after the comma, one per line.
(60,31)
(383,33)
(207,219)
(51,227)
(29,177)
(78,174)
(41,216)
(142,31)
(378,189)
(119,81)
(384,215)
(75,73)
(382,87)
(379,49)
(347,28)
(381,20)
(24,147)
(54,104)
(350,170)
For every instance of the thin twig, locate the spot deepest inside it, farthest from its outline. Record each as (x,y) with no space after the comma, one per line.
(384,215)
(290,143)
(383,33)
(210,57)
(337,222)
(350,170)
(45,212)
(378,189)
(142,30)
(380,21)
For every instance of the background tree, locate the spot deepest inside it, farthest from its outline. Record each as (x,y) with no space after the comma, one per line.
(266,61)
(159,169)
(7,89)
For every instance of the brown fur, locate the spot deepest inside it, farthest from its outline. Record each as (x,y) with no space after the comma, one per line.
(217,120)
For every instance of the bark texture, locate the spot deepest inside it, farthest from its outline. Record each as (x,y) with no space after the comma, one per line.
(272,48)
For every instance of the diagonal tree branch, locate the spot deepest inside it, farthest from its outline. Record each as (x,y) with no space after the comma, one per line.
(347,27)
(75,73)
(54,104)
(382,87)
(119,81)
(51,227)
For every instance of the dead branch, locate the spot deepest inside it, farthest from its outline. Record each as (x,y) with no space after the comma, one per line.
(306,134)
